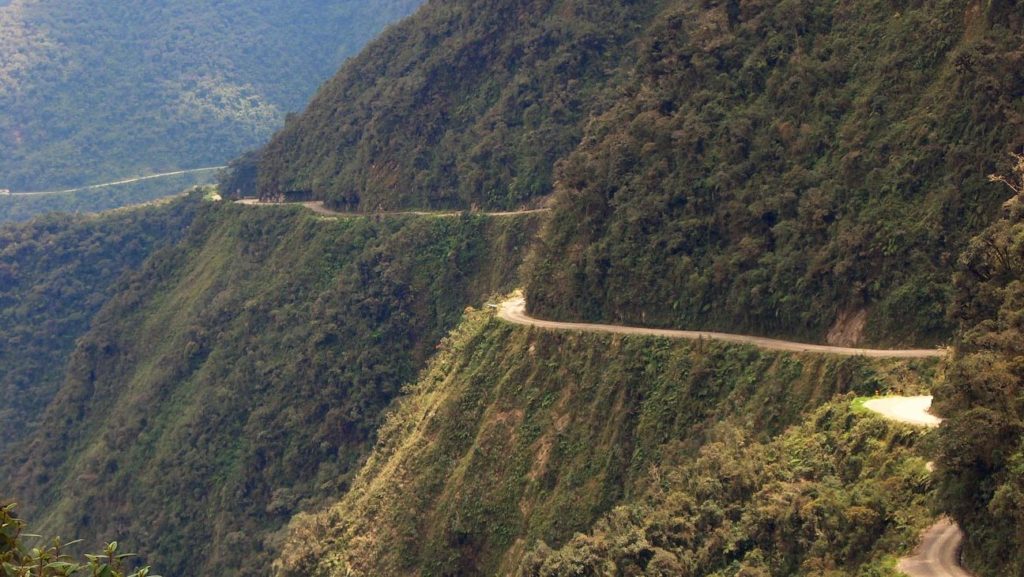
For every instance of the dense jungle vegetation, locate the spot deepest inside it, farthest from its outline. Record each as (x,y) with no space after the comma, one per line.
(517,435)
(787,167)
(92,91)
(468,104)
(802,169)
(239,377)
(982,464)
(269,391)
(55,274)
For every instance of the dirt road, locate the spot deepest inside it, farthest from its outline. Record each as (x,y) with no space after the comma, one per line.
(514,311)
(938,555)
(118,182)
(939,552)
(319,208)
(910,410)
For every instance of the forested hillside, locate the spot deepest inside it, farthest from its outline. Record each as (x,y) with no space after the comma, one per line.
(799,168)
(516,437)
(55,275)
(240,377)
(794,168)
(982,465)
(468,104)
(91,91)
(285,392)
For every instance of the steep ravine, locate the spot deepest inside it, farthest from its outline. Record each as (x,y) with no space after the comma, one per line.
(240,377)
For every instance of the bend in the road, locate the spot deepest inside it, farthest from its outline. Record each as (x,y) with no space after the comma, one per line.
(938,555)
(909,410)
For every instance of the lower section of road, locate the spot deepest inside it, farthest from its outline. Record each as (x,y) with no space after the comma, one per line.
(120,182)
(938,555)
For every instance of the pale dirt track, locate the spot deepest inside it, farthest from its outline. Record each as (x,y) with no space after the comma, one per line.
(514,311)
(119,182)
(319,208)
(938,555)
(910,410)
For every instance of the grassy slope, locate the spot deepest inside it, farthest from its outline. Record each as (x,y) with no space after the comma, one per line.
(55,275)
(515,435)
(240,378)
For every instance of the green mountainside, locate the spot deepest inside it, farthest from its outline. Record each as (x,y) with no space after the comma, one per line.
(55,275)
(517,436)
(468,104)
(279,392)
(93,91)
(792,168)
(240,376)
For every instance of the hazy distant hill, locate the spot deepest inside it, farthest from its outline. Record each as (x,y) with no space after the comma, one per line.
(91,91)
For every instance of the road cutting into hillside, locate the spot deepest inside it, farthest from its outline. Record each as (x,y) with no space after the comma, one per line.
(938,555)
(939,552)
(120,182)
(514,311)
(320,208)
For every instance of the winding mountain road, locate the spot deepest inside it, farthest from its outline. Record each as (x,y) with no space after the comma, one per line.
(939,552)
(119,182)
(319,208)
(514,311)
(938,555)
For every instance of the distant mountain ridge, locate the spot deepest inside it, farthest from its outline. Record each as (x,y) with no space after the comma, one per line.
(91,91)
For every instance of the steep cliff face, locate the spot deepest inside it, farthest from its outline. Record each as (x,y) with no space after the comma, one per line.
(518,436)
(240,377)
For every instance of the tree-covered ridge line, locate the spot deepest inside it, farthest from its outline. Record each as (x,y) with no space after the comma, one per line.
(88,90)
(467,104)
